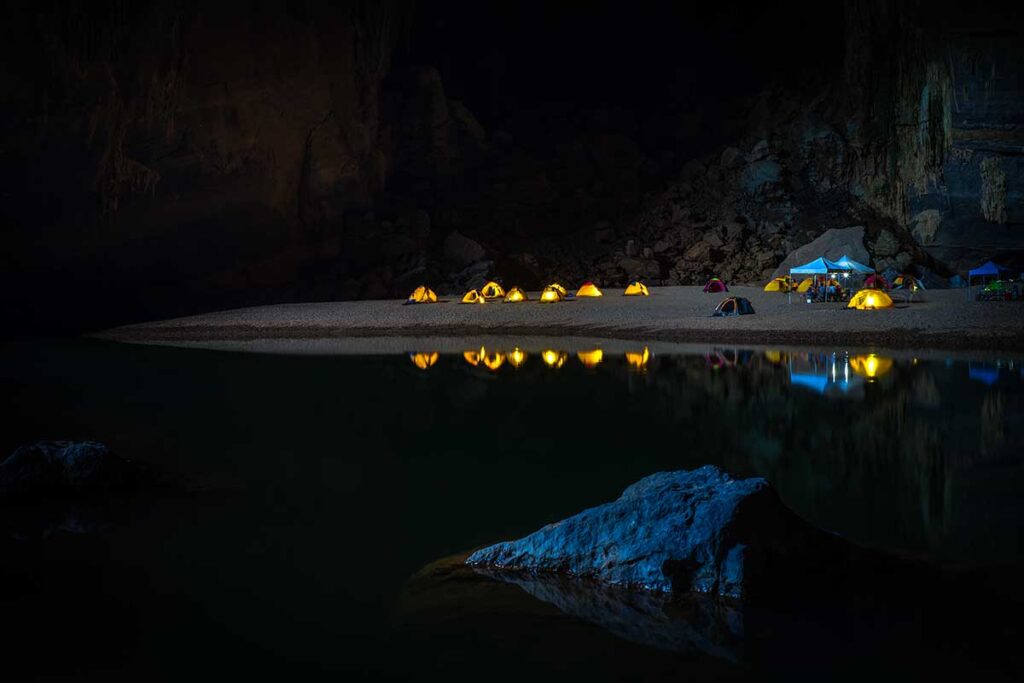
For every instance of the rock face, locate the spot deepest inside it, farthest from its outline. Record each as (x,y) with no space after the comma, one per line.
(65,468)
(688,531)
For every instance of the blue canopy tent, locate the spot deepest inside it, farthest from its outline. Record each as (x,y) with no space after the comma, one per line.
(985,270)
(819,266)
(854,266)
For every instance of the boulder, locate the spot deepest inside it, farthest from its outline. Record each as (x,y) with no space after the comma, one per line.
(461,250)
(759,151)
(926,225)
(48,468)
(642,268)
(831,244)
(731,157)
(886,244)
(759,175)
(696,531)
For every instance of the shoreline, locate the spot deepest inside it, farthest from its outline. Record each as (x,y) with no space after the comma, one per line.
(900,339)
(945,320)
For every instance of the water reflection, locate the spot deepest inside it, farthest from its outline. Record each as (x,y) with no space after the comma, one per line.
(493,360)
(639,361)
(870,366)
(517,357)
(591,359)
(424,360)
(553,358)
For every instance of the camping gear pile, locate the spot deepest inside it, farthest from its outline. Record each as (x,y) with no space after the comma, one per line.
(999,288)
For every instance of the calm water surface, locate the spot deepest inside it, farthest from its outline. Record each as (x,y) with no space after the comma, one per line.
(318,486)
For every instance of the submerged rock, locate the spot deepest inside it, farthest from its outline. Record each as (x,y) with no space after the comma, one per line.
(65,467)
(687,531)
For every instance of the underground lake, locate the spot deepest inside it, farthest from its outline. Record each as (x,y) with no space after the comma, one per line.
(314,507)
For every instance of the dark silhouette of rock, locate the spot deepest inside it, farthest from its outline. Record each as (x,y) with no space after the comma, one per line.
(55,468)
(687,531)
(461,250)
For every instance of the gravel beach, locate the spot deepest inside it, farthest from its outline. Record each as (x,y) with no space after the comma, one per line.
(940,319)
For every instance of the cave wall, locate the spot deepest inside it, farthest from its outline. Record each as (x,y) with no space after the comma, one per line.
(157,149)
(167,156)
(919,140)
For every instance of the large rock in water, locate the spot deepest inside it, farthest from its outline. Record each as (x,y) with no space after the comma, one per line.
(687,531)
(831,244)
(65,467)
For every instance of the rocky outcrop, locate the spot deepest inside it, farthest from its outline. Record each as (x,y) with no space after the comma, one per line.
(62,468)
(695,531)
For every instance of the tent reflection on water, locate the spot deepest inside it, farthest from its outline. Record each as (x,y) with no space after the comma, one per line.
(516,357)
(985,373)
(638,361)
(825,373)
(553,358)
(490,360)
(424,360)
(591,359)
(870,366)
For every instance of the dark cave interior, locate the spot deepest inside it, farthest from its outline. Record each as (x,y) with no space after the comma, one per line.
(161,158)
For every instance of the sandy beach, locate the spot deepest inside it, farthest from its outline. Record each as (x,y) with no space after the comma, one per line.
(940,319)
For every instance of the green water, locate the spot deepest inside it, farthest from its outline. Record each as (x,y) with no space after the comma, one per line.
(318,485)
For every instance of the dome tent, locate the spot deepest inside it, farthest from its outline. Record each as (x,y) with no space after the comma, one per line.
(715,285)
(779,284)
(492,290)
(422,295)
(734,305)
(473,297)
(636,288)
(515,295)
(876,281)
(589,289)
(552,294)
(869,300)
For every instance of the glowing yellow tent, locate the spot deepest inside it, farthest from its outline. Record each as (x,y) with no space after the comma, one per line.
(474,357)
(552,294)
(870,299)
(588,289)
(804,285)
(473,297)
(424,360)
(515,295)
(422,295)
(636,288)
(591,359)
(779,284)
(492,290)
(560,289)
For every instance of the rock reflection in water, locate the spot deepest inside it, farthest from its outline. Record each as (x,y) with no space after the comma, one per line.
(680,624)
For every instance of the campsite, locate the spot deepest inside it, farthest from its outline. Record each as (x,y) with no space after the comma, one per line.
(519,340)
